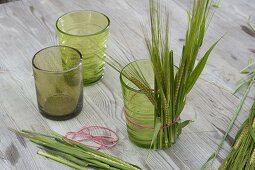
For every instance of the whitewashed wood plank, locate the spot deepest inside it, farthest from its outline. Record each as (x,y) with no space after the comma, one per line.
(29,26)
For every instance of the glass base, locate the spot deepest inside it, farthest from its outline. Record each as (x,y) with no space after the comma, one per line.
(89,82)
(139,143)
(61,118)
(145,143)
(57,115)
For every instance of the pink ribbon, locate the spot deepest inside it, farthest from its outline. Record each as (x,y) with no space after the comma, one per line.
(89,136)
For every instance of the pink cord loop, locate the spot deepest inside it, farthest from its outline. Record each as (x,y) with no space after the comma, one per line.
(148,127)
(94,136)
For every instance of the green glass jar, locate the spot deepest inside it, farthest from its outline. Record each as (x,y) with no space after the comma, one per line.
(141,115)
(139,111)
(86,31)
(58,81)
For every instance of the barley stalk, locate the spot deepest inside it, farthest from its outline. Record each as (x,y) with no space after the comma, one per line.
(73,153)
(242,136)
(252,160)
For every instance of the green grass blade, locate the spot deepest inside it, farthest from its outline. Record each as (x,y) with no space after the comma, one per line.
(66,157)
(242,86)
(252,132)
(248,68)
(61,161)
(198,69)
(115,159)
(205,165)
(57,142)
(180,108)
(156,131)
(185,123)
(101,161)
(240,106)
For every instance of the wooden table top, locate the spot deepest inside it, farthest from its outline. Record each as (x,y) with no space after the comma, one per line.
(27,26)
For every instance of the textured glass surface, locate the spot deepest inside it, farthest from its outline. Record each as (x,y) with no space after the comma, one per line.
(58,80)
(139,110)
(86,31)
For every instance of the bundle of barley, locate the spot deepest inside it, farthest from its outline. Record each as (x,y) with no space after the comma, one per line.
(170,86)
(74,154)
(242,155)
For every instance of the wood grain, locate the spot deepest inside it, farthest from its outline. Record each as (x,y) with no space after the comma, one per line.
(27,26)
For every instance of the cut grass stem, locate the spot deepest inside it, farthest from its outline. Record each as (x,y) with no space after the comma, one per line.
(63,161)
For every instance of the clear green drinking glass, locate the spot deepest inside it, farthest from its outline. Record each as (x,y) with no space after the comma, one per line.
(139,111)
(58,81)
(86,31)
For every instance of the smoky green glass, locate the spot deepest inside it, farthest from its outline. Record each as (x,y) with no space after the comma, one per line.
(59,82)
(139,111)
(86,31)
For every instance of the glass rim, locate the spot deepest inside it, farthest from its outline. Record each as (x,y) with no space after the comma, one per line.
(57,72)
(121,76)
(85,35)
(127,86)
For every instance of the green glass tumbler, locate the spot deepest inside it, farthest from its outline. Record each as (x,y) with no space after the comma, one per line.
(58,81)
(139,111)
(86,31)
